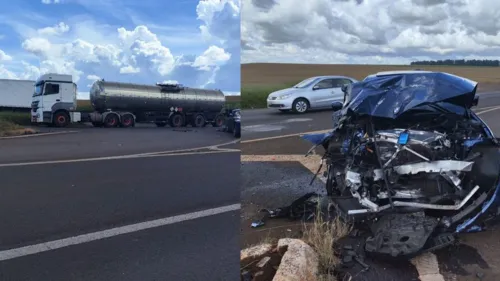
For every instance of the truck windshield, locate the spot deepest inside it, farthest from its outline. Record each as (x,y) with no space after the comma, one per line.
(38,90)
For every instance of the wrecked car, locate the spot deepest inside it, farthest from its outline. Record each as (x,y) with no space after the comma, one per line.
(409,159)
(232,122)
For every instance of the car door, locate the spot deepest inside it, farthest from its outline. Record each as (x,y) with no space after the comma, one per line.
(321,93)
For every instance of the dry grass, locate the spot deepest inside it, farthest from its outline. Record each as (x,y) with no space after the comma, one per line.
(8,129)
(322,236)
(260,79)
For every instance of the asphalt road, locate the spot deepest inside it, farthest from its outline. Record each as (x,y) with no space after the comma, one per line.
(273,177)
(43,203)
(88,142)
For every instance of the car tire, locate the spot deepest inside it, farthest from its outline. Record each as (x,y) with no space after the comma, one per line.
(300,105)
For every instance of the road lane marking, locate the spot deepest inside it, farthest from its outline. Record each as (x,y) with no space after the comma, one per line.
(488,110)
(118,158)
(38,135)
(98,235)
(180,152)
(285,136)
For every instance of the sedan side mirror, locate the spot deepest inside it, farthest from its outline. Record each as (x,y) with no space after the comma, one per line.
(316,87)
(337,105)
(344,88)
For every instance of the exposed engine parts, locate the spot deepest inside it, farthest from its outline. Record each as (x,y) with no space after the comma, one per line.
(409,145)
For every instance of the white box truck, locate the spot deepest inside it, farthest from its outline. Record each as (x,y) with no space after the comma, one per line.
(16,94)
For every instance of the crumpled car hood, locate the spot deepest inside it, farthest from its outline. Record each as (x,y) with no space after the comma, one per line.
(395,95)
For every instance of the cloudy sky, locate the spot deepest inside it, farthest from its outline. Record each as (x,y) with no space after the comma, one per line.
(196,43)
(369,31)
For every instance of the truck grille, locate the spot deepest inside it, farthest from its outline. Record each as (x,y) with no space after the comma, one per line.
(34,106)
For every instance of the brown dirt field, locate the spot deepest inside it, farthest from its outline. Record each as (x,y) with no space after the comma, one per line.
(264,74)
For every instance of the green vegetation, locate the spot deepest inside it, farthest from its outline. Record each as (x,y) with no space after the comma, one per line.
(12,124)
(256,96)
(15,118)
(84,105)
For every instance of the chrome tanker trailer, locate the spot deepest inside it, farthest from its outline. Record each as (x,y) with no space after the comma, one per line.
(125,104)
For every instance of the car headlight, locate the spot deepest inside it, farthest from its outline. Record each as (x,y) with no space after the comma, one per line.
(282,97)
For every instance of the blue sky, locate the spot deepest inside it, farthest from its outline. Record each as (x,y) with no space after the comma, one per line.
(196,43)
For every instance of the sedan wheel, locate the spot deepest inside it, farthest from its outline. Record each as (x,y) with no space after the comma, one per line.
(300,106)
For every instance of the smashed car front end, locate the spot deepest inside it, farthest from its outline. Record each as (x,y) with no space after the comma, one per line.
(409,157)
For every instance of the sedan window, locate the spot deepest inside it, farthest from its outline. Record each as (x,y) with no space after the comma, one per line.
(338,83)
(324,84)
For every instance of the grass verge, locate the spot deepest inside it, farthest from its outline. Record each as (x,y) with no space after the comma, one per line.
(322,236)
(256,96)
(13,124)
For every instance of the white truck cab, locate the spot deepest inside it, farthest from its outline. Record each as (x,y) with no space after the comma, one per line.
(55,100)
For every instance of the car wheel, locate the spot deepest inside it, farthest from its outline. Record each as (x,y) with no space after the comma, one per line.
(300,106)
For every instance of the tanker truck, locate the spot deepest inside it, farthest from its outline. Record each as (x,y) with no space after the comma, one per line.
(124,104)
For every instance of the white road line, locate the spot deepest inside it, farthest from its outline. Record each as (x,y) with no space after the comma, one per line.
(286,136)
(39,135)
(89,237)
(488,110)
(188,151)
(116,158)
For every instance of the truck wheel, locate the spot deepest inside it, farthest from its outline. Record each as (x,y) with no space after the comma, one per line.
(160,124)
(199,121)
(177,120)
(127,121)
(219,120)
(61,119)
(111,120)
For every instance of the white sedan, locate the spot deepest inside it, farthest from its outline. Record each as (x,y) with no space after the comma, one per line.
(313,93)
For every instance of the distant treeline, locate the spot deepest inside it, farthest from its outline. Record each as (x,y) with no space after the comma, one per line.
(458,62)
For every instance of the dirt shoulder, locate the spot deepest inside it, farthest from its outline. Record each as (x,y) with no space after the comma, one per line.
(9,129)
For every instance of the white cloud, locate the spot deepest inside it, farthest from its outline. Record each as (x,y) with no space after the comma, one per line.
(362,31)
(170,82)
(86,49)
(6,74)
(129,69)
(93,77)
(58,29)
(51,1)
(4,56)
(213,56)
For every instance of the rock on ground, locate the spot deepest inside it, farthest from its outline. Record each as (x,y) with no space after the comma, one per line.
(299,262)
